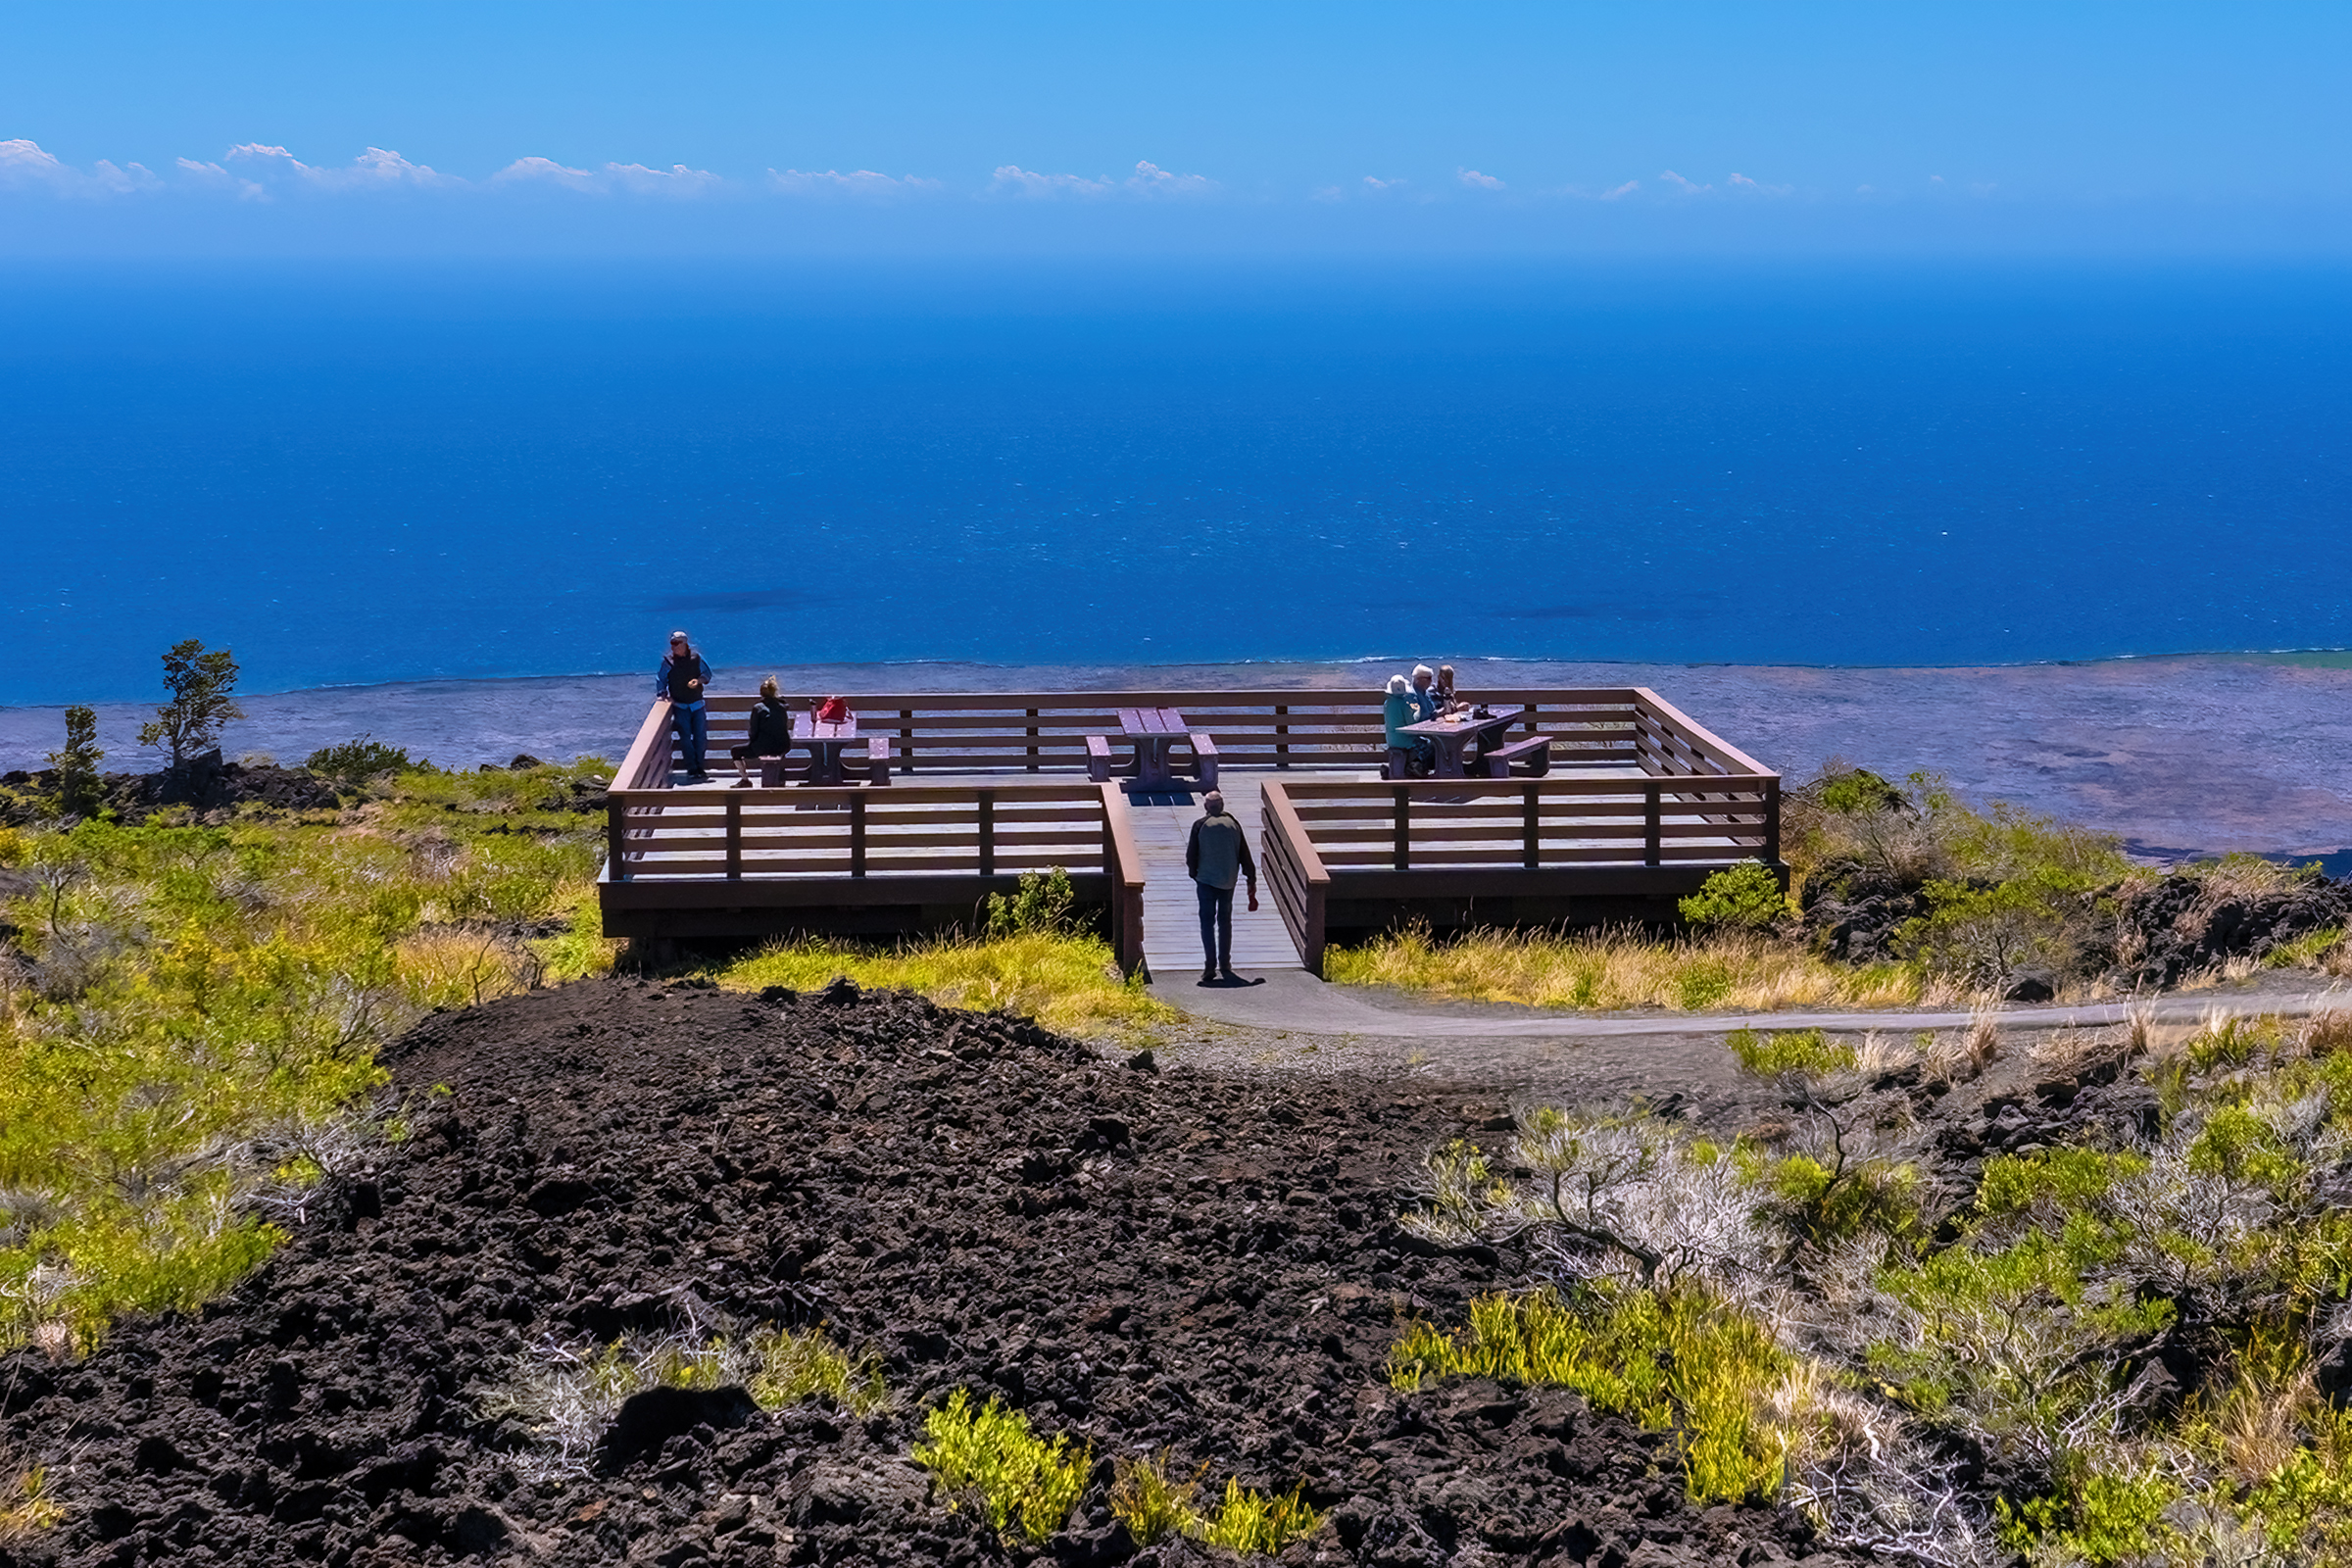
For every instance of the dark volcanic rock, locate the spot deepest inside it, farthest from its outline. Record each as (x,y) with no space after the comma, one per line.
(2183,924)
(1142,1260)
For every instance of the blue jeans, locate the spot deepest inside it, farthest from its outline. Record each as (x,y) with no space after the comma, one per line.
(693,725)
(1216,926)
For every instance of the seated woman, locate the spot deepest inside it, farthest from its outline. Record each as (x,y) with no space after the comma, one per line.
(1448,701)
(770,735)
(1404,706)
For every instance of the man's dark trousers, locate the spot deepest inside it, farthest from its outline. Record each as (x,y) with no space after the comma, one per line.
(1216,926)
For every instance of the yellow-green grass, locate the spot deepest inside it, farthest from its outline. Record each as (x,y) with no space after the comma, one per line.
(1606,971)
(1024,1483)
(189,1017)
(1068,983)
(1670,1360)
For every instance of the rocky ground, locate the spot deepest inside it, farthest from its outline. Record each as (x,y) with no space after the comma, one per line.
(1139,1255)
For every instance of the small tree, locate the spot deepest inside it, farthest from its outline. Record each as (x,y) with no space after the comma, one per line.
(1746,897)
(199,683)
(78,765)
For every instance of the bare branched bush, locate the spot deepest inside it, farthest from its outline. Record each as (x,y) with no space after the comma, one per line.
(1620,1197)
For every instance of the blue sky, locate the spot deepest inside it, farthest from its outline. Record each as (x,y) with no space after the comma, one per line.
(916,129)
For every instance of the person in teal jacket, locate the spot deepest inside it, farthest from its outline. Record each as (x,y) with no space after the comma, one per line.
(1401,708)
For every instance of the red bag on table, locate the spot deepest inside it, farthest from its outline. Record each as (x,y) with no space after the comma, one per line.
(833,711)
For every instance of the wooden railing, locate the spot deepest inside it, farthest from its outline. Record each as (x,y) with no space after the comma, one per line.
(1469,837)
(986,833)
(1039,732)
(1295,875)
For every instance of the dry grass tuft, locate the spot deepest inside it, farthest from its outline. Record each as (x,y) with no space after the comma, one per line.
(1065,982)
(1613,970)
(27,1506)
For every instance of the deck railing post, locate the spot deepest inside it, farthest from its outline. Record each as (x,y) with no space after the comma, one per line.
(1282,744)
(906,740)
(1404,828)
(1771,821)
(734,835)
(1527,827)
(1033,742)
(857,835)
(616,839)
(988,832)
(1654,826)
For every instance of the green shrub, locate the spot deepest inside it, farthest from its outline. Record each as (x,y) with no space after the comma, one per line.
(355,762)
(1024,1484)
(1746,897)
(1800,1052)
(1041,907)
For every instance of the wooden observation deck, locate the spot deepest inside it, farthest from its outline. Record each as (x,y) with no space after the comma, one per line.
(1639,805)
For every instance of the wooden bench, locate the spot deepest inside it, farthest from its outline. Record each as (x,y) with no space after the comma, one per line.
(1097,758)
(1534,749)
(877,759)
(1398,764)
(1204,757)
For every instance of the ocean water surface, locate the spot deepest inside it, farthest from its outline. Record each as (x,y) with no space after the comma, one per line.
(358,475)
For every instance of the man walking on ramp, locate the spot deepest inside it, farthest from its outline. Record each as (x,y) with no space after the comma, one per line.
(1217,852)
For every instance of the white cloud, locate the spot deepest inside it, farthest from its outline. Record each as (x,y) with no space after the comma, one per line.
(856,182)
(1149,179)
(1476,181)
(635,180)
(1618,193)
(25,165)
(1155,180)
(1012,179)
(1375,183)
(376,169)
(544,171)
(1686,187)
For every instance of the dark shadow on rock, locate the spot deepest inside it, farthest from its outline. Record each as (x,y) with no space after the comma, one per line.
(650,1418)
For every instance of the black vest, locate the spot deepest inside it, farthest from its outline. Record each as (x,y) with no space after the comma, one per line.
(682,670)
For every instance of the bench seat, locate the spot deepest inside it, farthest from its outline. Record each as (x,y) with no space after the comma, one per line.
(1097,758)
(1533,751)
(1204,757)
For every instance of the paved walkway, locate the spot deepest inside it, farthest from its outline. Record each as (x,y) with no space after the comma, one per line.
(1293,1000)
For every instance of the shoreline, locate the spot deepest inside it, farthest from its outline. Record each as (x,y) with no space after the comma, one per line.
(2179,753)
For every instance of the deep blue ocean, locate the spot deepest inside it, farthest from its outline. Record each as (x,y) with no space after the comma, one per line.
(360,474)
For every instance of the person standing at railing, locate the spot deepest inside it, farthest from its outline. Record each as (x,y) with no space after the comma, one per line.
(683,678)
(1217,854)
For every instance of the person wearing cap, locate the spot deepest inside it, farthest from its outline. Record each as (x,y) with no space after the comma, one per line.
(1217,854)
(683,678)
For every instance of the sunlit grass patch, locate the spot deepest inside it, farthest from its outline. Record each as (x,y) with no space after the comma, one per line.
(1610,970)
(795,1366)
(1669,1360)
(1026,1485)
(1068,983)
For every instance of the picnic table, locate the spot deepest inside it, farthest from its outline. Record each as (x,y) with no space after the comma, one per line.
(826,741)
(1451,733)
(1152,730)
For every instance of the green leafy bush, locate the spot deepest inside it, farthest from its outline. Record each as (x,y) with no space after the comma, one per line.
(1040,907)
(1024,1484)
(1746,897)
(356,761)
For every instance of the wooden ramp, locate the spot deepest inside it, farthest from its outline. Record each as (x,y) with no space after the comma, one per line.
(1171,911)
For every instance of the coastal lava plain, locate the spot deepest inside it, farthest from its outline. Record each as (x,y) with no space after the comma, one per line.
(1144,1257)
